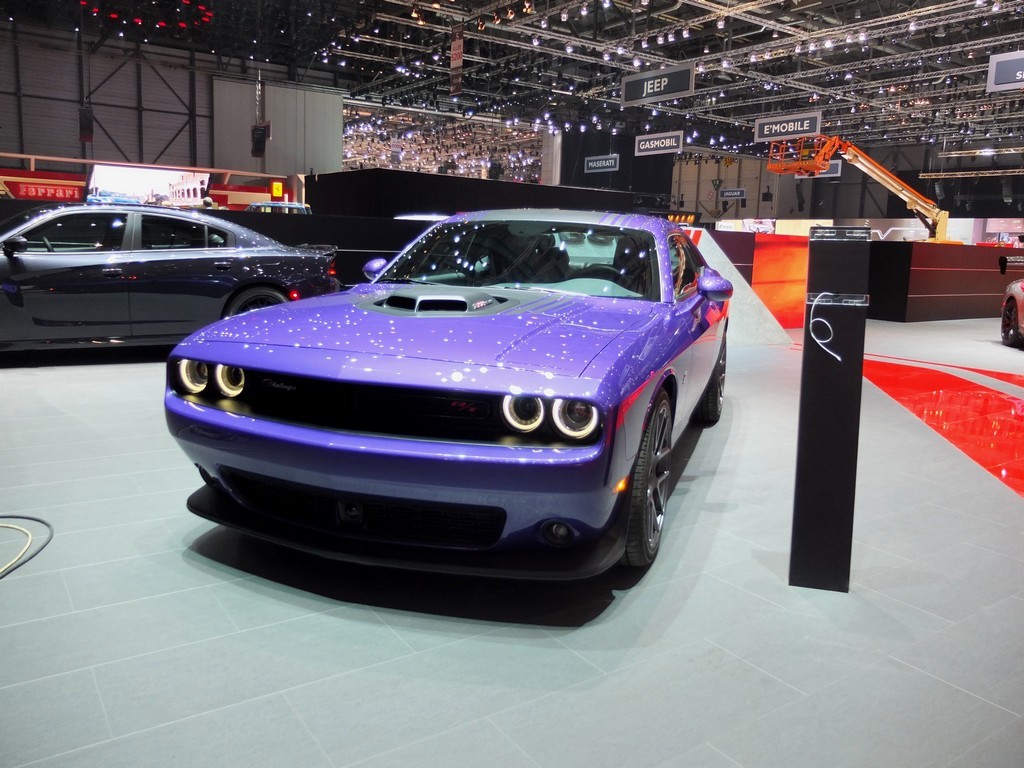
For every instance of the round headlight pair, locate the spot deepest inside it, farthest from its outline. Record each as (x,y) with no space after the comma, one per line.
(576,419)
(194,377)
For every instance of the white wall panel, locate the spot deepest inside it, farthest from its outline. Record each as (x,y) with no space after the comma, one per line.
(306,128)
(234,111)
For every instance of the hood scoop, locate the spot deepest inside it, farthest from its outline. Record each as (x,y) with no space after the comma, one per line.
(431,299)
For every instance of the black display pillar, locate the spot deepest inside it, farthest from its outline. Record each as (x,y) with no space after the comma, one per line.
(830,392)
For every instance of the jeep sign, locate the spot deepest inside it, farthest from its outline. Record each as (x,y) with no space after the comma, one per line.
(661,85)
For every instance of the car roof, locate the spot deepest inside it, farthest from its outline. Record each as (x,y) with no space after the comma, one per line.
(653,224)
(250,237)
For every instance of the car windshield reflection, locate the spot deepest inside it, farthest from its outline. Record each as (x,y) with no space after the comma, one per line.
(573,258)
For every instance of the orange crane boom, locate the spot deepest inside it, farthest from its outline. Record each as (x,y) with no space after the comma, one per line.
(811,155)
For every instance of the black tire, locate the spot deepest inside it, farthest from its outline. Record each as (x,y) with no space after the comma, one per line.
(1010,325)
(649,486)
(709,407)
(254,298)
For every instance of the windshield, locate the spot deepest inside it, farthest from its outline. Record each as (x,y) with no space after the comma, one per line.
(571,257)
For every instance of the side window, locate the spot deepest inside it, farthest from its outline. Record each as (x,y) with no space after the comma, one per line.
(160,233)
(216,238)
(686,266)
(88,232)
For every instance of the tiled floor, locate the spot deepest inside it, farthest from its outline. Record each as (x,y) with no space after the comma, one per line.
(143,636)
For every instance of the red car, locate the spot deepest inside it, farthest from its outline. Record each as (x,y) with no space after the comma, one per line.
(1012,326)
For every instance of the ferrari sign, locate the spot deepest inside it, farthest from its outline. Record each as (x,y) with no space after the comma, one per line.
(34,190)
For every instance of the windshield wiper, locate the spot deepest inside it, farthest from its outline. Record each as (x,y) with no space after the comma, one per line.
(404,281)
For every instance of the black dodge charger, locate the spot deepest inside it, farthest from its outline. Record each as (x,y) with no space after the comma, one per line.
(140,274)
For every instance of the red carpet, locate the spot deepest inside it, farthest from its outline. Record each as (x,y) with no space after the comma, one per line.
(984,423)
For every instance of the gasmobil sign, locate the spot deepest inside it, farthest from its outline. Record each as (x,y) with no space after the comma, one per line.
(601,164)
(658,144)
(662,85)
(787,127)
(1005,71)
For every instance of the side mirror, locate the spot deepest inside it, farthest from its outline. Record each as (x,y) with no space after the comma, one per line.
(713,286)
(374,267)
(15,245)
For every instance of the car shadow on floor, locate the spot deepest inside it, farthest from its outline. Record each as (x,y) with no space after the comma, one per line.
(500,600)
(101,354)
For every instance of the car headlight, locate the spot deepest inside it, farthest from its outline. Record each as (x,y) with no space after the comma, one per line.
(522,412)
(574,418)
(193,376)
(230,380)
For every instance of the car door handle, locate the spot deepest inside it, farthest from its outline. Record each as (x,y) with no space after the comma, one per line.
(112,272)
(222,265)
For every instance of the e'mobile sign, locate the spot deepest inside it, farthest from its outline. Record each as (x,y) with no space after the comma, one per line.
(787,127)
(659,144)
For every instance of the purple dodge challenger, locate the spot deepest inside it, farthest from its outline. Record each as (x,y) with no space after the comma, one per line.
(502,398)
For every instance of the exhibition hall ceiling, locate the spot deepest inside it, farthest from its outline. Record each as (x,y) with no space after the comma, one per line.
(882,73)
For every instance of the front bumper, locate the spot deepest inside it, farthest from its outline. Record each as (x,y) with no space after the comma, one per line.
(406,503)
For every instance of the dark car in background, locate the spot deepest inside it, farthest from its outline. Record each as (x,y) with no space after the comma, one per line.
(139,274)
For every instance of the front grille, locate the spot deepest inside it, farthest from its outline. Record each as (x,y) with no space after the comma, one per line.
(376,409)
(394,521)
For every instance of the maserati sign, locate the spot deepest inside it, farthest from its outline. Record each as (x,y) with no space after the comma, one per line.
(601,164)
